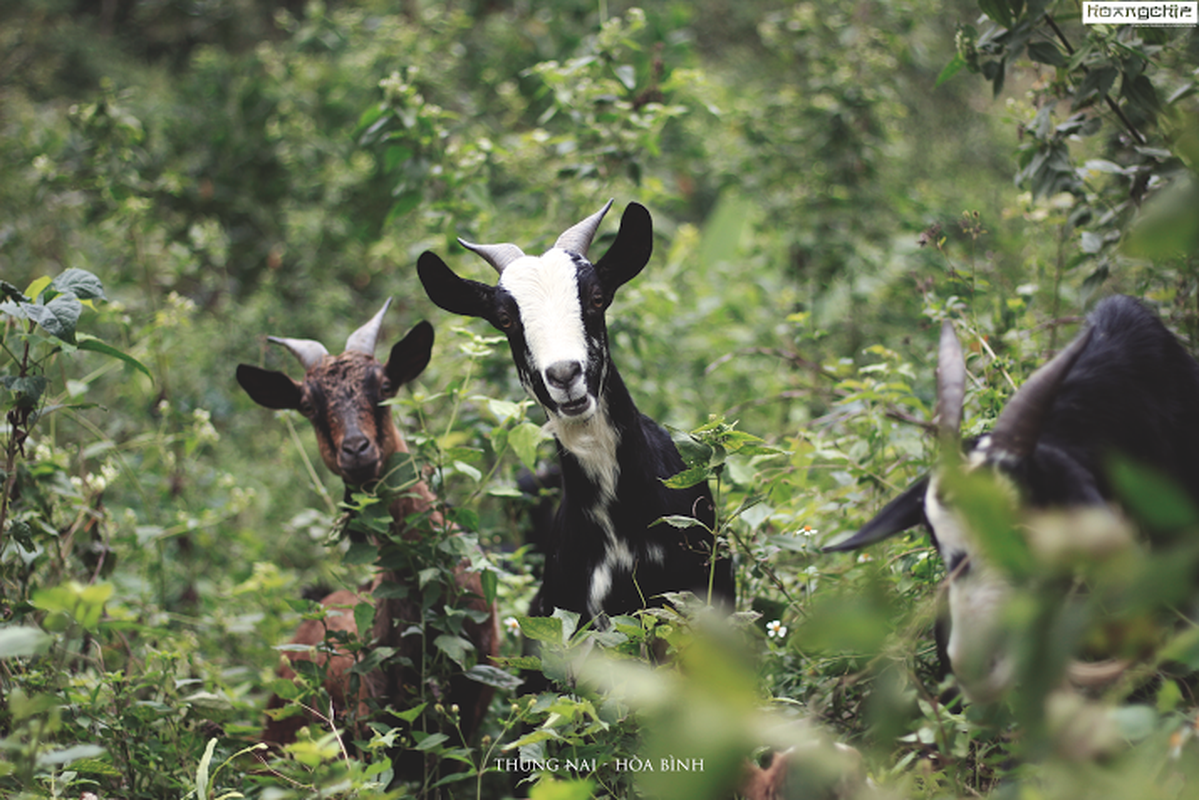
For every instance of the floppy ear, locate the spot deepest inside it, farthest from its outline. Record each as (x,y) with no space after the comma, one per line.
(629,254)
(269,388)
(454,294)
(410,355)
(905,511)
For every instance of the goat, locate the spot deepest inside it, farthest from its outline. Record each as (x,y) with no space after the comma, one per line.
(606,554)
(1124,387)
(342,397)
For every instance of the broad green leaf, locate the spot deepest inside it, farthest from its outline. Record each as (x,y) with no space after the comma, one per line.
(541,629)
(430,741)
(81,283)
(37,286)
(455,647)
(489,581)
(21,641)
(692,476)
(410,715)
(524,439)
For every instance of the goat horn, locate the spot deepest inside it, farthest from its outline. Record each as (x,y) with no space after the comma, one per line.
(365,338)
(1019,425)
(308,351)
(497,255)
(577,238)
(951,383)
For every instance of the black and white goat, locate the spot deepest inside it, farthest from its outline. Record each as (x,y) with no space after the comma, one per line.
(606,555)
(1124,387)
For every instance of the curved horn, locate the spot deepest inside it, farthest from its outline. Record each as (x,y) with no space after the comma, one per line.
(951,383)
(577,238)
(497,255)
(308,351)
(1019,425)
(364,339)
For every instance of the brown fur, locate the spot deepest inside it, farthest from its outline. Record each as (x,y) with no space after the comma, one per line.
(341,396)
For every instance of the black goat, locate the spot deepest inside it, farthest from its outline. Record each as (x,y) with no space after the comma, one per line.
(606,555)
(1124,387)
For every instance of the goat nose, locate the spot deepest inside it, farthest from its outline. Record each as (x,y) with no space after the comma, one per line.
(561,374)
(355,445)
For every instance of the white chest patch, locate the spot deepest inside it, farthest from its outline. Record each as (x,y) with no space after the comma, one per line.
(546,290)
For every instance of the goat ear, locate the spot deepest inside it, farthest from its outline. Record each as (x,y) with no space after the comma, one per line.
(410,355)
(269,388)
(454,294)
(905,511)
(629,254)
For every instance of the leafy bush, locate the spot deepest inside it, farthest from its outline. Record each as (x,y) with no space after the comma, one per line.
(255,168)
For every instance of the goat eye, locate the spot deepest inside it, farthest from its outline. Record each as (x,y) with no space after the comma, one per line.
(504,320)
(597,300)
(305,408)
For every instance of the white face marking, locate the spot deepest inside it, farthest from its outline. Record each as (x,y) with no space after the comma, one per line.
(977,597)
(546,291)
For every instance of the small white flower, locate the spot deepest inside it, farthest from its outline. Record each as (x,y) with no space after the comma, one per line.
(807,531)
(864,557)
(776,628)
(512,625)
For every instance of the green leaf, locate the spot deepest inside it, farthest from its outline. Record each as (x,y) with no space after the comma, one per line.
(997,10)
(493,676)
(410,715)
(524,440)
(678,521)
(455,647)
(1152,497)
(1046,53)
(28,390)
(692,476)
(21,641)
(489,580)
(431,741)
(627,75)
(954,66)
(81,283)
(541,629)
(202,771)
(57,317)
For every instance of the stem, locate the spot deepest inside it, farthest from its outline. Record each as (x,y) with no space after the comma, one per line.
(1112,104)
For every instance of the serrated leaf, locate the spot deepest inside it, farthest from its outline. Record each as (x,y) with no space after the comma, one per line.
(541,629)
(692,476)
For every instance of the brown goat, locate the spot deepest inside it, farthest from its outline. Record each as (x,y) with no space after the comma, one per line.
(342,396)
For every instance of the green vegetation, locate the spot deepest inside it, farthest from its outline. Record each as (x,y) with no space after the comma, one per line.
(829,182)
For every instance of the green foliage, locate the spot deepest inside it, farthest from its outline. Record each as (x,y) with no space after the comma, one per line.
(175,184)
